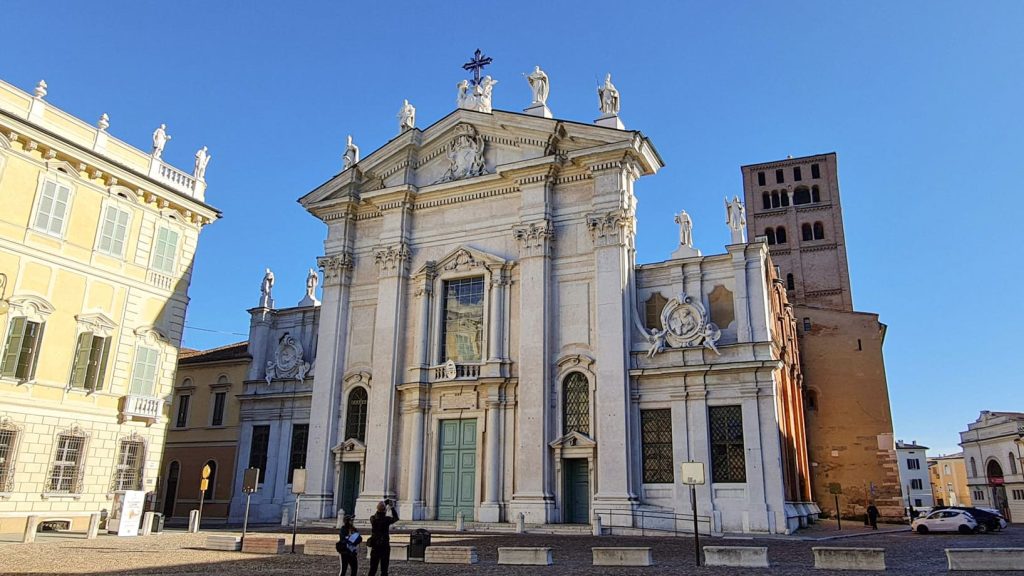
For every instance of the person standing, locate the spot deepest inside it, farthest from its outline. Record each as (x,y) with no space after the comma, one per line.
(873,516)
(380,537)
(348,547)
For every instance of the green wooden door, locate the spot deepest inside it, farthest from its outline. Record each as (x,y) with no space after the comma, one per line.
(577,491)
(456,475)
(349,486)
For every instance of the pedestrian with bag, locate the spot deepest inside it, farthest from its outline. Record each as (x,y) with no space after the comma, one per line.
(873,516)
(380,537)
(348,547)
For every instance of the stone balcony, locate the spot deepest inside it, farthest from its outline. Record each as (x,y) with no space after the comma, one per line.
(136,407)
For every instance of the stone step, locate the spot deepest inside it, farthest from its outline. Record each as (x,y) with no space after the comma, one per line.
(320,548)
(451,555)
(522,556)
(622,556)
(263,545)
(229,543)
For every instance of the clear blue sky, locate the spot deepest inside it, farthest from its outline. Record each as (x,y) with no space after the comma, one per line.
(921,100)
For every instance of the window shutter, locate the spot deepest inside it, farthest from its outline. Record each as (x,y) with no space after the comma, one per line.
(81,368)
(13,348)
(100,351)
(30,349)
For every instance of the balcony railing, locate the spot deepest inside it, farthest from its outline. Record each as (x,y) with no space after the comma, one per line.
(452,371)
(134,406)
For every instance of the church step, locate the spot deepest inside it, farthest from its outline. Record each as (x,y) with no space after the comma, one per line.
(441,526)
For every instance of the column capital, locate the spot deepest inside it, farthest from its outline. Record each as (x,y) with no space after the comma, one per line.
(392,260)
(613,228)
(336,267)
(535,238)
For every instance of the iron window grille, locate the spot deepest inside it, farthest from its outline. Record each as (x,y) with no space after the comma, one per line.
(656,439)
(297,458)
(576,404)
(355,418)
(463,327)
(66,473)
(128,470)
(8,450)
(728,458)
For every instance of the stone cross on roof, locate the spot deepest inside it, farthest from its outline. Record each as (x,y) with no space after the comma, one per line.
(476,65)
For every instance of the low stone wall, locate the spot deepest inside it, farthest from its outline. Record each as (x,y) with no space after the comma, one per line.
(747,556)
(398,551)
(828,558)
(525,556)
(985,559)
(263,545)
(606,556)
(229,543)
(451,555)
(320,548)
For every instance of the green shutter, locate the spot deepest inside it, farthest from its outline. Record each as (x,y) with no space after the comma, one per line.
(13,348)
(30,350)
(81,368)
(98,362)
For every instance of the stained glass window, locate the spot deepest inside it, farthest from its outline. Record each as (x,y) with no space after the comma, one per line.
(576,404)
(656,438)
(462,337)
(728,458)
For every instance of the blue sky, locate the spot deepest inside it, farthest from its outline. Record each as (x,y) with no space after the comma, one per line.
(921,100)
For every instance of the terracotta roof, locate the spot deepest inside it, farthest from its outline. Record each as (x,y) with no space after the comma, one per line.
(236,351)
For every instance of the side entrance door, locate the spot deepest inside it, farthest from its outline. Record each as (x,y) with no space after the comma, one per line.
(577,491)
(349,486)
(171,490)
(456,469)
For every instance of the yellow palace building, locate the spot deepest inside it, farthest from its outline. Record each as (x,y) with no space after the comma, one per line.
(97,240)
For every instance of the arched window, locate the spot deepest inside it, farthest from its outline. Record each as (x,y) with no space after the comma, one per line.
(812,399)
(652,311)
(355,416)
(974,467)
(819,231)
(790,282)
(994,472)
(575,404)
(780,235)
(775,199)
(212,480)
(770,233)
(766,199)
(801,196)
(1013,464)
(806,233)
(785,198)
(815,197)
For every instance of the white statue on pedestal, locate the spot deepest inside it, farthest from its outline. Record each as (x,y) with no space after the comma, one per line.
(685,229)
(479,98)
(406,117)
(266,298)
(736,218)
(351,155)
(202,159)
(104,122)
(160,138)
(312,279)
(608,97)
(539,85)
(40,91)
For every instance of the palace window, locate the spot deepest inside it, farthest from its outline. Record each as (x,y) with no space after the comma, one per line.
(760,179)
(208,493)
(1013,463)
(8,451)
(819,231)
(815,172)
(797,176)
(165,250)
(656,440)
(807,325)
(801,196)
(52,209)
(913,464)
(974,467)
(770,235)
(780,235)
(66,473)
(815,196)
(258,449)
(1018,494)
(652,311)
(776,202)
(462,335)
(355,417)
(182,419)
(128,470)
(90,365)
(779,177)
(144,372)
(785,198)
(728,458)
(113,231)
(916,484)
(945,469)
(790,282)
(806,232)
(219,400)
(812,399)
(978,495)
(766,200)
(576,404)
(297,455)
(21,354)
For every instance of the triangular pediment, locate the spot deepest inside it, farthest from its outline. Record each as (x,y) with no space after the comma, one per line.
(574,439)
(96,321)
(349,446)
(466,259)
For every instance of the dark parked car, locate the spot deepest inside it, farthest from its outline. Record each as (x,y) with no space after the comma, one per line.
(986,520)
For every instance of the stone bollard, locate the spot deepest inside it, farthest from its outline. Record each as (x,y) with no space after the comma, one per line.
(341,519)
(147,523)
(521,523)
(94,526)
(31,525)
(597,525)
(193,521)
(460,522)
(284,517)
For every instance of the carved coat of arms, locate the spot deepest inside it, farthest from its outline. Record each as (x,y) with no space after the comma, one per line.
(288,360)
(684,323)
(465,154)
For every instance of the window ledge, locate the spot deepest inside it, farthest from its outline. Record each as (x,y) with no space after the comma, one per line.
(51,495)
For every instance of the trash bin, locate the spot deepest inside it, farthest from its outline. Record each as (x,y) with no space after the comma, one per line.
(418,542)
(158,523)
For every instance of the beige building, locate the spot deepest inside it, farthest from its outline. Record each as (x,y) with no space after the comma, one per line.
(948,475)
(994,457)
(97,240)
(203,431)
(795,205)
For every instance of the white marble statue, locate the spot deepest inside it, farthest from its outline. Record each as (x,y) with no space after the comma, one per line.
(463,97)
(266,289)
(479,98)
(539,85)
(406,117)
(736,218)
(202,159)
(685,228)
(40,91)
(608,97)
(312,279)
(351,155)
(160,138)
(104,122)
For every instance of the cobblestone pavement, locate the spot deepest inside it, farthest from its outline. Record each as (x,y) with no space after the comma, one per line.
(180,553)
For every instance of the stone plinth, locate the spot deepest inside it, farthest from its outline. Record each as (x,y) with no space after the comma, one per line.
(229,543)
(849,558)
(525,556)
(638,556)
(985,559)
(451,555)
(747,556)
(320,548)
(398,551)
(263,545)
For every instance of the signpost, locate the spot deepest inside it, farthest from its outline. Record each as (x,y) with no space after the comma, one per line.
(298,488)
(250,484)
(693,474)
(836,489)
(204,483)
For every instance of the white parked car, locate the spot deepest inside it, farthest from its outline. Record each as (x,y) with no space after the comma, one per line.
(945,521)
